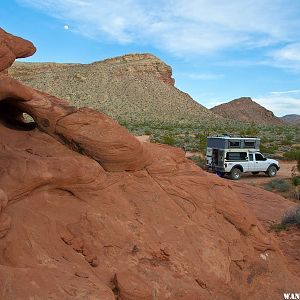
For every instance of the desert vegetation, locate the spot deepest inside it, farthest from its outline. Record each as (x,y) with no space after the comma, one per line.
(276,141)
(291,218)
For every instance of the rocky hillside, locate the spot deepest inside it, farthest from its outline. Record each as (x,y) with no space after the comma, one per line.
(292,119)
(247,110)
(89,212)
(133,88)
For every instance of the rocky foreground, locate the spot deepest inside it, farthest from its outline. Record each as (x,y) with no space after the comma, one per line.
(89,212)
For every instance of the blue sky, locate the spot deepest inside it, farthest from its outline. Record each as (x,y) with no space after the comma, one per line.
(219,50)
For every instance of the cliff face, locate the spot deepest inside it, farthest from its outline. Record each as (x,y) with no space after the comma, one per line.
(135,88)
(89,212)
(247,110)
(140,64)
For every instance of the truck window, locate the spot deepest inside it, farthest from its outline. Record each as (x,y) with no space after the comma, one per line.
(236,156)
(258,157)
(250,157)
(234,144)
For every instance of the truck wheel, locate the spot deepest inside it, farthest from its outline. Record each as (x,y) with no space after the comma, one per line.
(272,171)
(254,173)
(235,174)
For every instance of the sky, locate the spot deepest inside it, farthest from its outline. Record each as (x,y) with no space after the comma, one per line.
(219,50)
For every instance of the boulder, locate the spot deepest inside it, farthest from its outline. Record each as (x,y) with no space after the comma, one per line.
(82,201)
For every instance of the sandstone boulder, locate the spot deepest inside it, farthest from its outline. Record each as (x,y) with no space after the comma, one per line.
(82,201)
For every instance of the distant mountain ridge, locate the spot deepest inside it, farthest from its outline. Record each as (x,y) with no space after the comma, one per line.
(133,88)
(292,119)
(245,109)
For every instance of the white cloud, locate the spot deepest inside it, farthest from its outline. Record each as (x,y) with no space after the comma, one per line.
(281,103)
(181,27)
(286,92)
(288,57)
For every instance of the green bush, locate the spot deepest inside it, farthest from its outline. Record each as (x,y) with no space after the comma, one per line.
(286,142)
(296,180)
(279,185)
(278,227)
(292,155)
(169,140)
(268,149)
(292,216)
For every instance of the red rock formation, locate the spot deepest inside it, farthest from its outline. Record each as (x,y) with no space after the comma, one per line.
(72,229)
(246,110)
(12,47)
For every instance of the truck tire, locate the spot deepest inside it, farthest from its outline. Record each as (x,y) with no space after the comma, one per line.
(255,173)
(272,171)
(235,174)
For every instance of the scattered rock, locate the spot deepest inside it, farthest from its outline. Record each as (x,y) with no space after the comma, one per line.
(81,274)
(132,287)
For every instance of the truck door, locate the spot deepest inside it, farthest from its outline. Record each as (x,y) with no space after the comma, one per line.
(251,163)
(260,163)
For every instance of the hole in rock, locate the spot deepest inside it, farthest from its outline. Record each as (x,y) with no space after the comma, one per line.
(11,116)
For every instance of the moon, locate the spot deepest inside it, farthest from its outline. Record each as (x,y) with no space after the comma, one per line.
(66,27)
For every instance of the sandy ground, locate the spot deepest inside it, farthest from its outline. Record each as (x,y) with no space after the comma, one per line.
(189,154)
(144,138)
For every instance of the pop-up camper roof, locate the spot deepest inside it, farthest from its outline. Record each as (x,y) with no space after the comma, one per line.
(228,142)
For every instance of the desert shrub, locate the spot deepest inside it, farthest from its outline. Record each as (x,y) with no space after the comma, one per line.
(278,227)
(147,132)
(296,180)
(297,137)
(286,142)
(168,139)
(292,155)
(279,185)
(292,216)
(268,149)
(202,141)
(296,194)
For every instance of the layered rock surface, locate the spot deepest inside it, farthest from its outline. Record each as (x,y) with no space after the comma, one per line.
(88,212)
(140,64)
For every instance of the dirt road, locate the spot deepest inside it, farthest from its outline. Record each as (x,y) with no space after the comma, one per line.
(262,178)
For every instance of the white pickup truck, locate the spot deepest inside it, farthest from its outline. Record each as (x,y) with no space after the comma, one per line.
(234,156)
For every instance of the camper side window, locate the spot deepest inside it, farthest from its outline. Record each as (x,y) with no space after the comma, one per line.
(234,144)
(249,144)
(236,156)
(250,157)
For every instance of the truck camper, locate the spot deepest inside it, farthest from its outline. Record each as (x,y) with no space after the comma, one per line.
(228,155)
